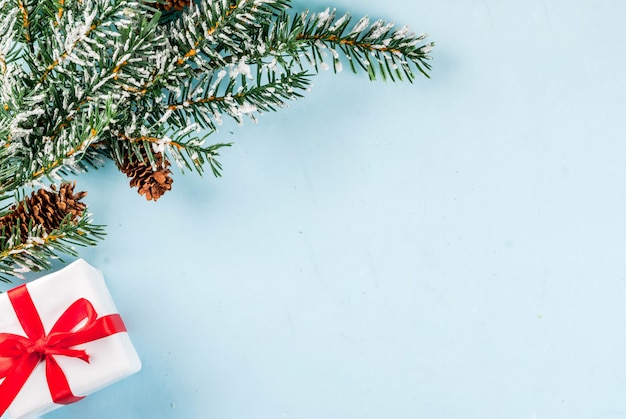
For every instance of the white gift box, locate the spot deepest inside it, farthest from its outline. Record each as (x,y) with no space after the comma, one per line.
(110,358)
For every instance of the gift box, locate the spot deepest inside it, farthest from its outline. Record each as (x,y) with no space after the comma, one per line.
(61,338)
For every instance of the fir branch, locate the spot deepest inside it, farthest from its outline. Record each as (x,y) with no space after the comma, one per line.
(40,227)
(74,40)
(187,151)
(374,48)
(204,34)
(83,81)
(193,154)
(54,138)
(36,254)
(30,159)
(235,95)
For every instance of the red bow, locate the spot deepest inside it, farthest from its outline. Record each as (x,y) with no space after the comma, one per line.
(19,355)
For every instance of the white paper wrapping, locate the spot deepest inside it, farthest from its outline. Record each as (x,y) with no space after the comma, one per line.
(111,358)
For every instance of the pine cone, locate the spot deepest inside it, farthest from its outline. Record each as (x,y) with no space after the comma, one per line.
(151,182)
(45,208)
(170,5)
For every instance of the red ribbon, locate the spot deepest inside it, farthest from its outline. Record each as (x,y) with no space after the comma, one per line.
(19,355)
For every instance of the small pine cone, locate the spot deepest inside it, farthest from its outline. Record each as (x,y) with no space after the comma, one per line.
(44,208)
(152,182)
(170,5)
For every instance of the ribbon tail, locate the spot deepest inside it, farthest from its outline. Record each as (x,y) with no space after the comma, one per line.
(15,380)
(57,382)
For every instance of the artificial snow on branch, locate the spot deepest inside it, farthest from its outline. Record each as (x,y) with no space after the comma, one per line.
(146,83)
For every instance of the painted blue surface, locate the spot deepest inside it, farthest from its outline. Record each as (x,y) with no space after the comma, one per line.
(448,249)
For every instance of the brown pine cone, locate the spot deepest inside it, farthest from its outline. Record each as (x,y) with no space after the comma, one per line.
(170,5)
(45,208)
(151,182)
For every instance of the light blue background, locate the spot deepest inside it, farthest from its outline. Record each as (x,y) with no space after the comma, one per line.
(453,248)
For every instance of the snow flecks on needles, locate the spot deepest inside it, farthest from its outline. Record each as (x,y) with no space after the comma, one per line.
(217,59)
(241,68)
(78,31)
(339,22)
(161,145)
(361,25)
(100,78)
(323,17)
(379,29)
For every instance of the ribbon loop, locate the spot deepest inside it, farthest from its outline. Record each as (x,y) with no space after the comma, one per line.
(19,355)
